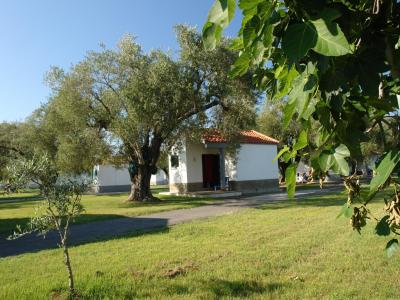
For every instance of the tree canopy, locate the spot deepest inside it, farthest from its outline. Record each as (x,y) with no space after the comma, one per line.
(138,103)
(10,144)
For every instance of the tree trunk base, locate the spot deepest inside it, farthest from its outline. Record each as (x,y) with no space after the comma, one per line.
(147,199)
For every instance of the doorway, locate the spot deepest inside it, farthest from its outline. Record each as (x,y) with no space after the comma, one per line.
(210,170)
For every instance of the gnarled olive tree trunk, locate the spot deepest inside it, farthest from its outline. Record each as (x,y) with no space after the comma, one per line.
(141,168)
(140,184)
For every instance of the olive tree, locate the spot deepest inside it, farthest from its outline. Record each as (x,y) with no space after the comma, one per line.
(145,102)
(62,201)
(12,145)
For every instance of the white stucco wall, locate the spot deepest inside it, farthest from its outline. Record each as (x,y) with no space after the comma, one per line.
(179,174)
(108,175)
(194,154)
(159,178)
(255,162)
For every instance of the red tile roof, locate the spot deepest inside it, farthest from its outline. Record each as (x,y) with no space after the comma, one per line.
(246,137)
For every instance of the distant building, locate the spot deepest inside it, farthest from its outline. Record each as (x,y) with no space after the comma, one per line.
(111,179)
(204,165)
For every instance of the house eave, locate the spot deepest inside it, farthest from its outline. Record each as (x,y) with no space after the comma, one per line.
(209,145)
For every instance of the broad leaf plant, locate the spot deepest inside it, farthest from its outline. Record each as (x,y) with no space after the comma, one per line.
(333,62)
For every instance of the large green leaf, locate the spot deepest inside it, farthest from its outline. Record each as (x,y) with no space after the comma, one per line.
(288,112)
(241,65)
(309,108)
(330,38)
(298,39)
(301,141)
(249,30)
(306,107)
(342,150)
(268,34)
(283,150)
(330,14)
(287,82)
(302,88)
(326,160)
(219,17)
(248,14)
(248,4)
(321,35)
(385,168)
(335,160)
(342,166)
(258,52)
(290,179)
(345,211)
(211,35)
(222,12)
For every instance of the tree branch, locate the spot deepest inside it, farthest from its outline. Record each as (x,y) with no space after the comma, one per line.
(195,111)
(98,99)
(14,149)
(109,85)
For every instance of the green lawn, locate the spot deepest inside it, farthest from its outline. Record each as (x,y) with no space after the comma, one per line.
(311,186)
(287,250)
(17,208)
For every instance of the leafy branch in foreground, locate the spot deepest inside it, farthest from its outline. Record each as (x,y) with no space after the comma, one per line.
(61,206)
(334,62)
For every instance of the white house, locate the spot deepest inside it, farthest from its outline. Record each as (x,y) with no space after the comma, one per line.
(111,179)
(204,165)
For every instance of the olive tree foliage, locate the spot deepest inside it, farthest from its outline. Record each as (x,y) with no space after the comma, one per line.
(66,134)
(62,201)
(59,131)
(381,138)
(270,122)
(12,144)
(336,62)
(145,102)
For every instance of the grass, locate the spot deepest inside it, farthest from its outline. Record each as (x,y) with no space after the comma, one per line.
(311,186)
(286,250)
(17,208)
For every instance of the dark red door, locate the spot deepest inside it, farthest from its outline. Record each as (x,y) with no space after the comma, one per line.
(210,170)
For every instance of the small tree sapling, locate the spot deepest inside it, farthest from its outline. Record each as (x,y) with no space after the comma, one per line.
(61,206)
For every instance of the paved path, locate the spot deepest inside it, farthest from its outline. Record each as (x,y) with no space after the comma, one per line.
(101,230)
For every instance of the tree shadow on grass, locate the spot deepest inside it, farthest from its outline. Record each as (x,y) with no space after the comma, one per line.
(188,200)
(335,198)
(217,287)
(118,227)
(13,200)
(223,288)
(174,200)
(243,289)
(324,201)
(8,226)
